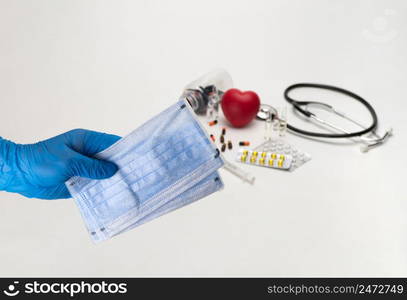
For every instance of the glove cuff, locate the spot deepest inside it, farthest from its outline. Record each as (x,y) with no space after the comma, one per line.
(8,156)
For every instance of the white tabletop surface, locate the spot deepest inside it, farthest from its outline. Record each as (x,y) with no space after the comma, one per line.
(111,65)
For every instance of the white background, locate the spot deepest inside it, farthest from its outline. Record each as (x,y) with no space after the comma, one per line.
(111,65)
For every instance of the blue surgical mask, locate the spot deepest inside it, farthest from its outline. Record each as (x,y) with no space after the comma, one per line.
(165,164)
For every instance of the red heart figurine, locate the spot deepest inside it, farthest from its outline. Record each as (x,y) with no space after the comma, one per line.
(240,108)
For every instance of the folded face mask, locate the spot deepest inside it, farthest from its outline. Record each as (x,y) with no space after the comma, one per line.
(165,164)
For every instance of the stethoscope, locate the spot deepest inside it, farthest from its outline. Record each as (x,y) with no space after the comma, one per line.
(367,135)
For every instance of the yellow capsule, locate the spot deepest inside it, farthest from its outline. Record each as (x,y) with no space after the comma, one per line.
(255,153)
(273,156)
(282,156)
(261,161)
(271,162)
(245,152)
(280,163)
(253,159)
(263,154)
(243,158)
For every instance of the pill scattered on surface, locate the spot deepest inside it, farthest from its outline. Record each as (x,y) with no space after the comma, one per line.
(223,130)
(222,139)
(230,146)
(223,147)
(212,137)
(244,143)
(214,122)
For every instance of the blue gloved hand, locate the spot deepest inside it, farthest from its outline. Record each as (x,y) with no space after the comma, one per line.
(40,170)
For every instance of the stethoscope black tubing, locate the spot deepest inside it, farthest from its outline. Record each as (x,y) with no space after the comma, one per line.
(297,105)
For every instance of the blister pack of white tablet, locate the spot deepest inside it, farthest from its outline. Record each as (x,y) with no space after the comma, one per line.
(298,157)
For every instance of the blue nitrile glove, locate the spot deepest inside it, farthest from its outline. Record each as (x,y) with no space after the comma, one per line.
(40,170)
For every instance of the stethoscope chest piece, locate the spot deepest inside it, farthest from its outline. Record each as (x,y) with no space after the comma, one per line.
(264,112)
